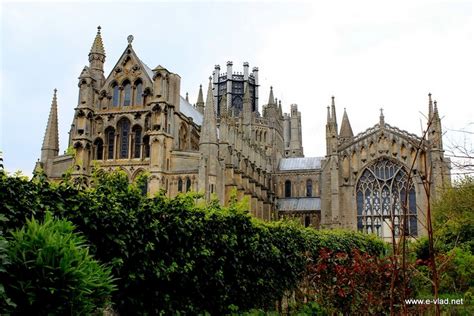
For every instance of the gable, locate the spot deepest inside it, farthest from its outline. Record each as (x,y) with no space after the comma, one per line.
(129,67)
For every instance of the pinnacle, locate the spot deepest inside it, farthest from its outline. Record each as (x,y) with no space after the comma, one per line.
(271,99)
(98,45)
(51,136)
(346,129)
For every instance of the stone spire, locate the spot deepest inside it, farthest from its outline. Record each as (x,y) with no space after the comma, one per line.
(271,99)
(346,129)
(200,100)
(382,118)
(329,115)
(209,124)
(50,146)
(97,45)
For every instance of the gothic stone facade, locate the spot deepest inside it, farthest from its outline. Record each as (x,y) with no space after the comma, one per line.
(135,119)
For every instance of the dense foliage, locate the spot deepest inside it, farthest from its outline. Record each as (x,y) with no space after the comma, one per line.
(353,283)
(453,222)
(50,271)
(178,255)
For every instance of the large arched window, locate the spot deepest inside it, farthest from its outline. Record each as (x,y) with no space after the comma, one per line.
(110,134)
(287,188)
(381,199)
(137,141)
(99,149)
(127,93)
(138,92)
(309,187)
(115,94)
(123,127)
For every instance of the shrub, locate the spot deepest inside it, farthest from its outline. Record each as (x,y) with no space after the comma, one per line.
(52,272)
(176,255)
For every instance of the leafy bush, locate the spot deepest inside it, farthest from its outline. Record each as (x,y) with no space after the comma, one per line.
(51,271)
(352,283)
(177,255)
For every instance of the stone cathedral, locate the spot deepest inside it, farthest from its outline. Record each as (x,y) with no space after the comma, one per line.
(135,119)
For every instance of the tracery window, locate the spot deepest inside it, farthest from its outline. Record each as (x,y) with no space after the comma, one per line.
(381,198)
(124,130)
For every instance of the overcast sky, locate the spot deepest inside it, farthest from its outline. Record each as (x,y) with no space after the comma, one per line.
(368,54)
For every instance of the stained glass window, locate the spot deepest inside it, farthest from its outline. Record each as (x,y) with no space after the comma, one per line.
(115,95)
(127,99)
(138,93)
(110,143)
(124,129)
(137,141)
(381,199)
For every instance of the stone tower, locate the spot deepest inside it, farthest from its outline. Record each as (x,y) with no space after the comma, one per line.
(292,133)
(232,85)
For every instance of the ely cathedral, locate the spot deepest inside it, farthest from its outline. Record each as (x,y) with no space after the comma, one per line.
(136,120)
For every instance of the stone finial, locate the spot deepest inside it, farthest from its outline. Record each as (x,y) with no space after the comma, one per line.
(187,97)
(130,39)
(382,117)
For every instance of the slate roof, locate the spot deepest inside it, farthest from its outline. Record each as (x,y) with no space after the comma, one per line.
(304,163)
(189,110)
(299,204)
